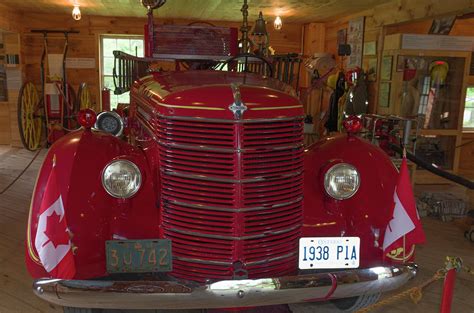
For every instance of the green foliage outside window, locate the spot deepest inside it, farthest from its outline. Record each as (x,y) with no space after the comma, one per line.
(468,120)
(129,44)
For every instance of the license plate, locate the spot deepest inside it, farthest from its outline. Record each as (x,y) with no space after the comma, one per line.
(329,252)
(138,256)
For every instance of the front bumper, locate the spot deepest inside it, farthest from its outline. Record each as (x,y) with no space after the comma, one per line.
(223,294)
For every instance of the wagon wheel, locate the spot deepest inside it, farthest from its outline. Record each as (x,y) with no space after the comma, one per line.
(84,97)
(71,109)
(29,118)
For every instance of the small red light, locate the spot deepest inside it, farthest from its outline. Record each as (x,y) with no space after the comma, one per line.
(86,118)
(352,124)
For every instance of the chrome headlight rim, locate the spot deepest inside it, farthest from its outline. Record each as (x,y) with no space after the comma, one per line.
(136,169)
(330,171)
(115,115)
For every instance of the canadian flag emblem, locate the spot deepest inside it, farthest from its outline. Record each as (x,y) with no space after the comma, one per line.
(52,239)
(404,229)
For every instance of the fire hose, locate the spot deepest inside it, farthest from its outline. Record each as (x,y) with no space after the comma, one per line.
(433,168)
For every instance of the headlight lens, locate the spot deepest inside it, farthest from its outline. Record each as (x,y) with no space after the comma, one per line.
(341,181)
(121,179)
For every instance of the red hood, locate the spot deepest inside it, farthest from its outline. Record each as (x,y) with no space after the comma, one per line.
(210,93)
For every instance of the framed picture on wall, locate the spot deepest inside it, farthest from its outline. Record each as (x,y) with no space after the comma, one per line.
(370,68)
(341,37)
(384,95)
(370,48)
(386,69)
(442,26)
(355,38)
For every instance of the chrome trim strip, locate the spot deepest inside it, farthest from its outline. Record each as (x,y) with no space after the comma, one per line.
(227,180)
(193,260)
(147,128)
(143,113)
(195,147)
(215,120)
(277,108)
(262,235)
(174,294)
(288,255)
(189,107)
(207,148)
(228,209)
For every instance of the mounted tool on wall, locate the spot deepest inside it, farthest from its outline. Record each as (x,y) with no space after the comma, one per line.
(57,104)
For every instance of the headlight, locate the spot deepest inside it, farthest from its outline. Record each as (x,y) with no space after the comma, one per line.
(121,179)
(341,181)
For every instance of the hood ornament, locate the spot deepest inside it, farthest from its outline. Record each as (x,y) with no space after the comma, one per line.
(238,107)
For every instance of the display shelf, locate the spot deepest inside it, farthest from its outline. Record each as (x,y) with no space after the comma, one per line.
(429,85)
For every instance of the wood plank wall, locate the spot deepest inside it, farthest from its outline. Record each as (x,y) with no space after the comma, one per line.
(9,24)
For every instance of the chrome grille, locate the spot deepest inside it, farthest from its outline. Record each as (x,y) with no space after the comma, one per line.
(231,194)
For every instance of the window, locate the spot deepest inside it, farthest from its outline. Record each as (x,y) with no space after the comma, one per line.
(468,120)
(129,44)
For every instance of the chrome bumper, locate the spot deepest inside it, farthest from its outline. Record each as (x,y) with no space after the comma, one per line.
(222,294)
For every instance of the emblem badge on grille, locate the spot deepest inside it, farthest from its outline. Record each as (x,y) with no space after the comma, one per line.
(238,107)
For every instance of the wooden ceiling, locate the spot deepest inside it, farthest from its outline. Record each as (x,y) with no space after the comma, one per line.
(291,11)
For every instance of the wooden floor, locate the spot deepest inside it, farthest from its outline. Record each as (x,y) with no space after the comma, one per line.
(15,284)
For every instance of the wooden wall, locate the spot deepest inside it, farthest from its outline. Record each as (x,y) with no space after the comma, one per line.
(466,160)
(9,23)
(372,32)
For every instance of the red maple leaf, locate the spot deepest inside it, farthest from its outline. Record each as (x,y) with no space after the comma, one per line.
(56,230)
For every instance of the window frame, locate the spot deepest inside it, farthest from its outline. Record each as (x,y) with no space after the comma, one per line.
(467,128)
(102,76)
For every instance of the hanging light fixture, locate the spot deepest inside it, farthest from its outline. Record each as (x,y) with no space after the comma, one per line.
(76,12)
(278,24)
(260,35)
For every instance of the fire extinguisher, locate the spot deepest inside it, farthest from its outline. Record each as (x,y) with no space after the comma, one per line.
(106,99)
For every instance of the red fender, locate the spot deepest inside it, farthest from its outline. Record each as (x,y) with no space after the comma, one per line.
(367,213)
(93,215)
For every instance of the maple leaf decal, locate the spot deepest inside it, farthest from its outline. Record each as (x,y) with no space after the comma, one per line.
(56,231)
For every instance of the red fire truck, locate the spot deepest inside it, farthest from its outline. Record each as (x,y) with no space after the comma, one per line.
(211,201)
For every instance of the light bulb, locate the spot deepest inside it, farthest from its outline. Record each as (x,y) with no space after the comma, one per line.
(76,12)
(278,23)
